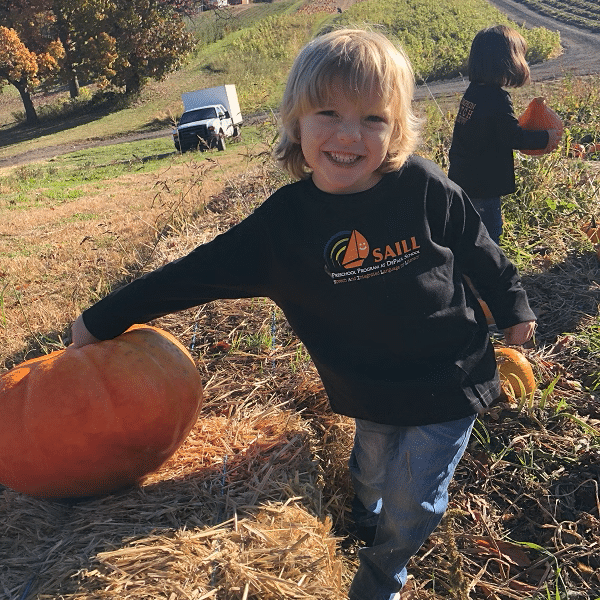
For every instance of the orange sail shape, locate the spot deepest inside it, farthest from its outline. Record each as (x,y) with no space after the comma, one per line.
(356,252)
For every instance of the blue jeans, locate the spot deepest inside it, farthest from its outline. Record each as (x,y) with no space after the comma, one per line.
(491,214)
(401,477)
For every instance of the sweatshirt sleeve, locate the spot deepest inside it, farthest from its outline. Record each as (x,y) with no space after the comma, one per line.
(494,276)
(512,135)
(235,264)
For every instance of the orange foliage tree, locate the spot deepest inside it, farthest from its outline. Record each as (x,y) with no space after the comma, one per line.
(23,68)
(118,42)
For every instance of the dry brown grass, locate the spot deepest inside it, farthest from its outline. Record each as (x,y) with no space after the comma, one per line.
(54,264)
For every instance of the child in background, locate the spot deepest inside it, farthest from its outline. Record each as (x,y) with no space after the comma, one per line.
(365,255)
(486,129)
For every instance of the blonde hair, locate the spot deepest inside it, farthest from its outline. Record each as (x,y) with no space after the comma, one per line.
(367,63)
(497,57)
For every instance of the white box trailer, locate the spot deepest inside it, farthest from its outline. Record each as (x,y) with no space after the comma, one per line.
(209,116)
(222,94)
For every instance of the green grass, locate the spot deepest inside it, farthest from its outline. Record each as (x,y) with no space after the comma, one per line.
(213,25)
(64,177)
(116,158)
(259,58)
(437,34)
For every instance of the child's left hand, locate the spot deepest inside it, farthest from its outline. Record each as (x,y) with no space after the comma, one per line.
(80,335)
(520,333)
(554,136)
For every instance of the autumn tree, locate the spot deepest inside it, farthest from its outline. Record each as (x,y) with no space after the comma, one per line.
(89,50)
(23,68)
(122,42)
(151,40)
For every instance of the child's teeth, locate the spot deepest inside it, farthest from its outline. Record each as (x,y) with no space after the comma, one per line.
(346,158)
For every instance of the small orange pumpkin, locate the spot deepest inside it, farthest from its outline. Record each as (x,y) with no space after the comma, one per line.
(592,230)
(538,116)
(489,317)
(88,421)
(516,374)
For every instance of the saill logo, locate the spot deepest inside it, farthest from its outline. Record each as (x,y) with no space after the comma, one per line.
(346,250)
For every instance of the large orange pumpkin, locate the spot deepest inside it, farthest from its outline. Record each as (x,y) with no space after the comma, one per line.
(539,116)
(88,421)
(515,371)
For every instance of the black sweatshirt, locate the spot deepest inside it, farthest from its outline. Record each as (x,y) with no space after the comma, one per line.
(371,282)
(486,131)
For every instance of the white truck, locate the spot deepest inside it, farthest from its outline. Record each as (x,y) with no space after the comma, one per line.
(209,116)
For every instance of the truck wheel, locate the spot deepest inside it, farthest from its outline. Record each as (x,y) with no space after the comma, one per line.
(236,131)
(221,143)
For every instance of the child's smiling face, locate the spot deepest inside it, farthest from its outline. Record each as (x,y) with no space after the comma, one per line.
(344,142)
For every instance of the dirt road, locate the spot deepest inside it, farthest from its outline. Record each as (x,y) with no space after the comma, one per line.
(581,56)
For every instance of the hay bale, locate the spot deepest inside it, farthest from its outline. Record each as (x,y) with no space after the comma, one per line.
(283,552)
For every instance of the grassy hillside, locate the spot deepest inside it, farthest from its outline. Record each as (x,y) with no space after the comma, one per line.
(437,35)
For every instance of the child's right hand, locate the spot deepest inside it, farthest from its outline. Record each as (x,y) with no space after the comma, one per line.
(80,335)
(554,136)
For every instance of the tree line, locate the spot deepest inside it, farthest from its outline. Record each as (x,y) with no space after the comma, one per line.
(123,43)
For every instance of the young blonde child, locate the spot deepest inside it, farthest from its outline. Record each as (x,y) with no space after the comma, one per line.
(365,254)
(486,130)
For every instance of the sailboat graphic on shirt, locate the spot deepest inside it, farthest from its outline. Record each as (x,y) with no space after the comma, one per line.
(345,251)
(356,251)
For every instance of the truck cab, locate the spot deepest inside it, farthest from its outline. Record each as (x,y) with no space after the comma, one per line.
(204,127)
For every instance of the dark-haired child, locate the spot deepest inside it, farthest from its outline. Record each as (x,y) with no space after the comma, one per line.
(486,130)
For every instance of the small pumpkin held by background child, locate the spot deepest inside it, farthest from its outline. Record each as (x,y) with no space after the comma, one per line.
(538,116)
